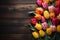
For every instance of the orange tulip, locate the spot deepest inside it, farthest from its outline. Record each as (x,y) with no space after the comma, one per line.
(46,1)
(58,17)
(58,28)
(52,15)
(49,31)
(38,16)
(51,0)
(39,10)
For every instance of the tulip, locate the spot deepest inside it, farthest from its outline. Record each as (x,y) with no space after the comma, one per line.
(45,5)
(49,31)
(51,8)
(39,2)
(57,3)
(54,21)
(33,21)
(38,26)
(52,15)
(42,33)
(46,14)
(58,28)
(56,0)
(51,0)
(35,35)
(43,19)
(57,10)
(44,25)
(38,16)
(46,1)
(39,10)
(58,16)
(53,27)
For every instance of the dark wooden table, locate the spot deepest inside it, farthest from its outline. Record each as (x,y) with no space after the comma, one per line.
(14,19)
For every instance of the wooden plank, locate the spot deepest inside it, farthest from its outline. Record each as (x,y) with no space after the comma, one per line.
(15,22)
(15,37)
(14,26)
(14,30)
(15,19)
(16,15)
(17,8)
(10,2)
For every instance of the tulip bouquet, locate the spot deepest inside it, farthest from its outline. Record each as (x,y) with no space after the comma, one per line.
(45,20)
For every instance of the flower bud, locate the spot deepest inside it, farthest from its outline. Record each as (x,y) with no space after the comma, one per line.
(35,35)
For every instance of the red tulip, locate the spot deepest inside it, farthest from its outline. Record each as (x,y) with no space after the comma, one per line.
(57,3)
(54,21)
(33,21)
(57,10)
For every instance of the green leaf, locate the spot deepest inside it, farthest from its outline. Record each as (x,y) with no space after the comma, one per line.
(39,22)
(31,27)
(53,38)
(49,22)
(46,36)
(32,12)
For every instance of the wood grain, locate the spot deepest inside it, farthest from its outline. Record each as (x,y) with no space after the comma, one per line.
(14,30)
(17,8)
(14,19)
(16,37)
(13,2)
(14,15)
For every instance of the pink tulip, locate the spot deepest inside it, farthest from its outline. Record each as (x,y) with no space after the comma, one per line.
(45,5)
(51,8)
(44,25)
(53,27)
(39,2)
(43,19)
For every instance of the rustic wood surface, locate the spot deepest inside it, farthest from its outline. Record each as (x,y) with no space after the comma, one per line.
(14,19)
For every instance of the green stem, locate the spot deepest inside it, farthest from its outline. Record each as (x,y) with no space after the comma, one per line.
(32,28)
(49,22)
(54,36)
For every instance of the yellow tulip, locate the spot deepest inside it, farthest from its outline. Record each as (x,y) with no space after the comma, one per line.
(46,14)
(42,33)
(35,35)
(46,1)
(49,31)
(58,28)
(38,26)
